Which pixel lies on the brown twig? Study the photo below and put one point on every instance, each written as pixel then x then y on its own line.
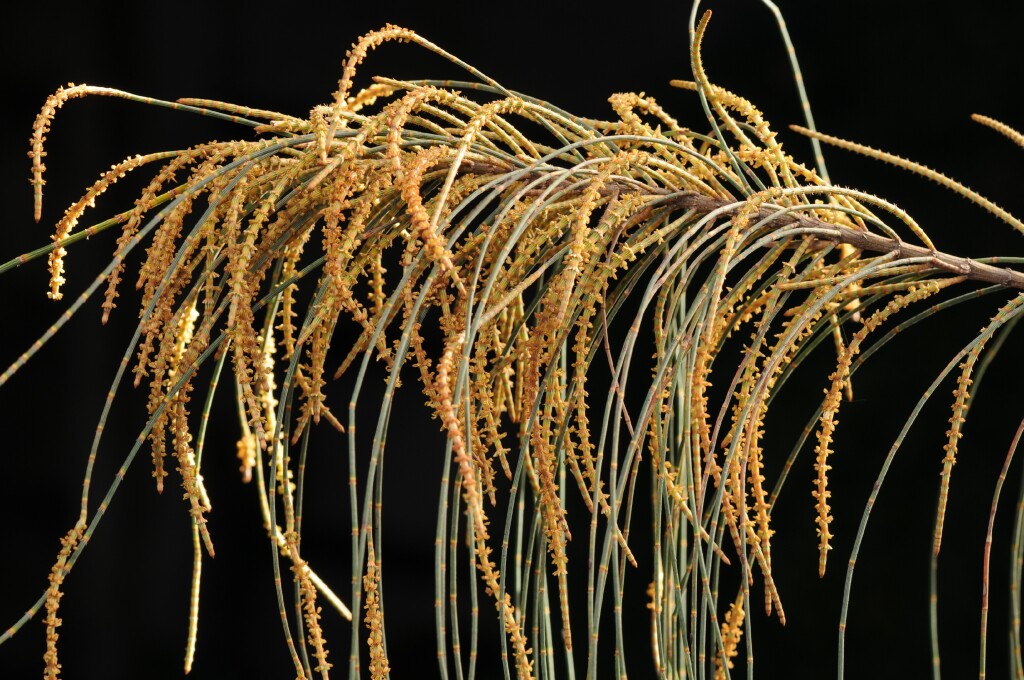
pixel 824 231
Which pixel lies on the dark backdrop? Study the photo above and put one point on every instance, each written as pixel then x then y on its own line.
pixel 902 76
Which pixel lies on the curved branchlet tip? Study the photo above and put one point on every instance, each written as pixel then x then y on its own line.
pixel 357 53
pixel 779 168
pixel 918 169
pixel 369 95
pixel 39 130
pixel 88 200
pixel 353 59
pixel 710 98
pixel 798 77
pixel 41 127
pixel 696 40
pixel 1000 127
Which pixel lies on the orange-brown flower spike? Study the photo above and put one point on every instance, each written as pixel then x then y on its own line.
pixel 961 402
pixel 53 597
pixel 187 467
pixel 839 379
pixel 442 386
pixel 75 211
pixel 355 57
pixel 918 169
pixel 1000 127
pixel 379 665
pixel 39 130
pixel 732 633
pixel 433 244
pixel 409 223
pixel 471 493
pixel 961 396
pixel 309 605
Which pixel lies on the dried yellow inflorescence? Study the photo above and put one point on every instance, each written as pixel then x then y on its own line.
pixel 412 223
pixel 53 597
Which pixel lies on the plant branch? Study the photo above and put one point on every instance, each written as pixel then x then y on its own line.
pixel 865 240
pixel 824 231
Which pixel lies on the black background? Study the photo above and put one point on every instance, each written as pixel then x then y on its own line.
pixel 902 76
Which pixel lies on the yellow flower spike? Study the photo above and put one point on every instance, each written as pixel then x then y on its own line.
pixel 409 223
pixel 53 597
pixel 917 169
pixel 1000 127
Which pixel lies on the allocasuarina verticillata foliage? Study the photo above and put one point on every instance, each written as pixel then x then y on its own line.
pixel 414 224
